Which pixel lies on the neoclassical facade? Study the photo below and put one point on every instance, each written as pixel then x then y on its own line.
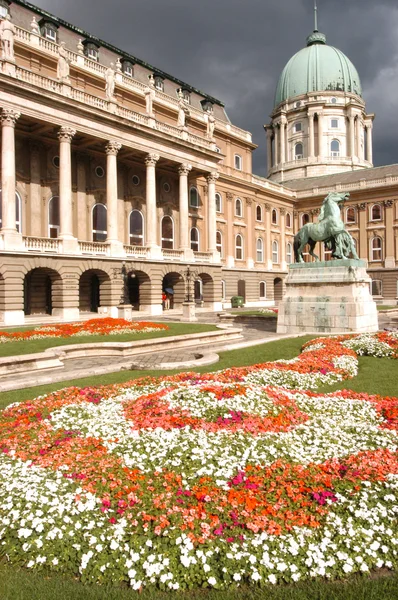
pixel 109 165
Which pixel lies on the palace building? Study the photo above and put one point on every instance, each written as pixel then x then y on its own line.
pixel 110 165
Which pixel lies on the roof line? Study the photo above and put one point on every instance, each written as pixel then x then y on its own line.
pixel 113 48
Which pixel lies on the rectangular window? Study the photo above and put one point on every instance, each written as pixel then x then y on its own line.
pixel 376 287
pixel 238 162
pixel 92 53
pixel 49 33
pixel 334 123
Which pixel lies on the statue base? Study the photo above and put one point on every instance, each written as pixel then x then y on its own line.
pixel 328 297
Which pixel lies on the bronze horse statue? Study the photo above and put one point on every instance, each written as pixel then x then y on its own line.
pixel 329 229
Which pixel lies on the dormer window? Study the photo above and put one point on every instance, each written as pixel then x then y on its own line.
pixel 91 50
pixel 49 30
pixel 3 9
pixel 159 83
pixel 128 68
pixel 186 94
pixel 207 106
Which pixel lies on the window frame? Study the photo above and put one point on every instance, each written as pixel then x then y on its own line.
pixel 6 9
pixel 298 155
pixel 219 204
pixel 298 127
pixel 302 219
pixel 288 224
pixel 191 189
pixel 219 245
pixel 164 239
pixel 127 64
pixel 374 250
pixel 376 281
pixel 372 219
pixel 239 249
pixel 53 226
pixel 49 31
pixel 259 251
pixel 337 126
pixel 259 211
pixel 101 232
pixel 159 83
pixel 238 162
pixel 262 296
pixel 276 220
pixel 240 213
pixel 275 252
pixel 347 210
pixel 194 242
pixel 143 229
pixel 289 253
pixel 335 153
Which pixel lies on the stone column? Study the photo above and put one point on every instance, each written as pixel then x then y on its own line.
pixel 267 241
pixel 269 149
pixel 389 261
pixel 183 171
pixel 369 143
pixel 34 218
pixel 250 235
pixel 65 136
pixel 12 239
pixel 276 145
pixel 211 215
pixel 358 138
pixel 116 246
pixel 352 136
pixel 363 250
pixel 230 247
pixel 151 221
pixel 321 152
pixel 282 142
pixel 311 145
pixel 283 238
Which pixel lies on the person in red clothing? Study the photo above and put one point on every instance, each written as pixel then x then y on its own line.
pixel 164 300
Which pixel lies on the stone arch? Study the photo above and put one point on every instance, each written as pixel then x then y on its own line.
pixel 208 291
pixel 94 290
pixel 140 289
pixel 242 289
pixel 109 281
pixel 42 291
pixel 278 289
pixel 174 280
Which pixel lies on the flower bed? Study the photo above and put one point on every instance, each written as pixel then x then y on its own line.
pixel 207 480
pixel 105 326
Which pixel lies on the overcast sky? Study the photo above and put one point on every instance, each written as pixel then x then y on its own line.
pixel 235 50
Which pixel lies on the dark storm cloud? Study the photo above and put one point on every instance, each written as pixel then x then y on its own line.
pixel 235 49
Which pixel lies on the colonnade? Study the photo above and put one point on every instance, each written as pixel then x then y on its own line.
pixel 65 135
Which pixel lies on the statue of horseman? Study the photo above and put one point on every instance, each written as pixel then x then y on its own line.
pixel 329 229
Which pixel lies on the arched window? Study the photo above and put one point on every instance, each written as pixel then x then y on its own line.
pixel 263 290
pixel 334 148
pixel 238 207
pixel 99 223
pixel 193 197
pixel 376 287
pixel 223 290
pixel 376 248
pixel 53 217
pixel 195 239
pixel 167 233
pixel 288 220
pixel 275 252
pixel 298 151
pixel 259 213
pixel 238 162
pixel 239 247
pixel 218 203
pixel 274 217
pixel 136 228
pixel 18 211
pixel 259 250
pixel 350 215
pixel 375 212
pixel 289 253
pixel 219 247
pixel 305 218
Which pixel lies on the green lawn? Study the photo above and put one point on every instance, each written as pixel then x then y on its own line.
pixel 252 313
pixel 32 346
pixel 385 307
pixel 375 376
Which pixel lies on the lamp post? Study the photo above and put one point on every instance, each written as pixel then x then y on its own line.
pixel 125 309
pixel 188 306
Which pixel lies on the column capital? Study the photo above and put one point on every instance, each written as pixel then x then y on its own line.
pixel 9 117
pixel 65 134
pixel 184 169
pixel 282 211
pixel 112 148
pixel 267 207
pixel 212 177
pixel 151 160
pixel 229 196
pixel 249 200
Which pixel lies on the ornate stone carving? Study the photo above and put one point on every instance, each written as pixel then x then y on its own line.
pixel 65 134
pixel 361 206
pixel 388 203
pixel 212 178
pixel 7 34
pixel 9 117
pixel 267 207
pixel 151 160
pixel 249 201
pixel 112 148
pixel 229 196
pixel 184 169
pixel 282 212
pixel 63 63
pixel 34 26
pixel 211 125
pixel 150 95
pixel 183 111
pixel 110 82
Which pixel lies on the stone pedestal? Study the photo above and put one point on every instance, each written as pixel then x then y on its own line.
pixel 188 312
pixel 125 311
pixel 327 297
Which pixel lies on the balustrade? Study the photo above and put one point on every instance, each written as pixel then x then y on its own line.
pixel 38 244
pixel 94 248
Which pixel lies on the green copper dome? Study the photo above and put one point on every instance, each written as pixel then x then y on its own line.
pixel 317 68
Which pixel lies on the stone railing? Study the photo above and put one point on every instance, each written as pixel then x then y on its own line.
pixel 338 187
pixel 38 80
pixel 136 251
pixel 38 244
pixel 81 61
pixel 173 254
pixel 203 257
pixel 272 187
pixel 94 248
